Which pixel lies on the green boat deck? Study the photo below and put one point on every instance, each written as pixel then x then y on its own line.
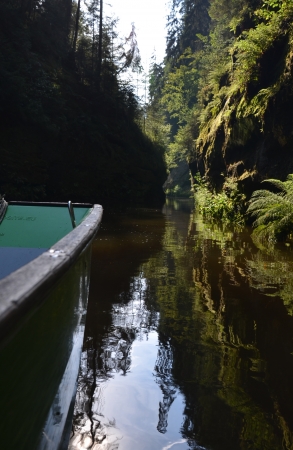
pixel 28 231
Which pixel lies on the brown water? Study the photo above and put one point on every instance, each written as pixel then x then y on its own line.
pixel 189 338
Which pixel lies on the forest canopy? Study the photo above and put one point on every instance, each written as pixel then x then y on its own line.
pixel 224 91
pixel 70 128
pixel 221 101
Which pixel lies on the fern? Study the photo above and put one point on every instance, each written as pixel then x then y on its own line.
pixel 273 212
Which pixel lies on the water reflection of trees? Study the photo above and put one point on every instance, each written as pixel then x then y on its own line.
pixel 272 273
pixel 225 340
pixel 130 320
pixel 224 304
pixel 164 378
pixel 116 316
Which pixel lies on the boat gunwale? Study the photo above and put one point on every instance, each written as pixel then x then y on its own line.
pixel 25 288
pixel 63 204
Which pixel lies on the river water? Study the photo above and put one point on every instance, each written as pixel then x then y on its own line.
pixel 189 337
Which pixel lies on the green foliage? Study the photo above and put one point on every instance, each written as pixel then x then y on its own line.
pixel 225 206
pixel 178 191
pixel 255 42
pixel 269 7
pixel 65 132
pixel 247 91
pixel 176 88
pixel 219 85
pixel 155 126
pixel 182 147
pixel 273 211
pixel 187 21
pixel 180 87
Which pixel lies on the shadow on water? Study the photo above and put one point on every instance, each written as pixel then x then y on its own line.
pixel 189 338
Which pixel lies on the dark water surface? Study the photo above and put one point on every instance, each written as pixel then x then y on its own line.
pixel 189 338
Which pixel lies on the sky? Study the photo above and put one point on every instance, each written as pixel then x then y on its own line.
pixel 149 17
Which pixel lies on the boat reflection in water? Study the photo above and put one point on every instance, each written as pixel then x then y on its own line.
pixel 43 303
pixel 189 338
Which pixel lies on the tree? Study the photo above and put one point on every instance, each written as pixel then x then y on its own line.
pixel 76 26
pixel 72 121
pixel 131 57
pixel 100 48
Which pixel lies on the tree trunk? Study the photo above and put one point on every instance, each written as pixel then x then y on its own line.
pixel 100 48
pixel 76 27
pixel 68 6
pixel 93 54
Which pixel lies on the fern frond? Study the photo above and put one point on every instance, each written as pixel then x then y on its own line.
pixel 286 221
pixel 290 177
pixel 261 200
pixel 272 215
pixel 273 212
pixel 277 183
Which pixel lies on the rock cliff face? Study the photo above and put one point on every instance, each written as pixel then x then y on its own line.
pixel 244 143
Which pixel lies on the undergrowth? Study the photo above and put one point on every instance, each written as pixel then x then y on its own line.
pixel 178 191
pixel 227 205
pixel 273 211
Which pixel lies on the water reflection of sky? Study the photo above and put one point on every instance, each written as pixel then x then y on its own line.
pixel 135 404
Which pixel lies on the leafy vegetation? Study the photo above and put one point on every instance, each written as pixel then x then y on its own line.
pixel 227 206
pixel 69 126
pixel 178 191
pixel 273 211
pixel 226 90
